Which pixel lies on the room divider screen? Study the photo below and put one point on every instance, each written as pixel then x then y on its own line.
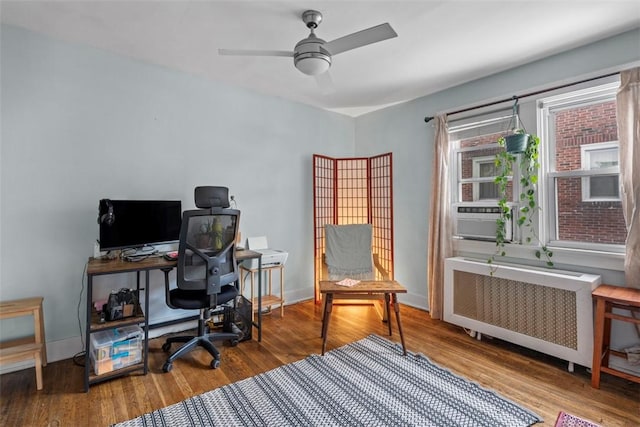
pixel 353 191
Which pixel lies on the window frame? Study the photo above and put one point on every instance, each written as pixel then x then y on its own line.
pixel 488 120
pixel 475 173
pixel 585 160
pixel 547 194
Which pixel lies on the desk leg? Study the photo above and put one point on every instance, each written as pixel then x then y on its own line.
pixel 387 311
pixel 252 287
pixel 87 361
pixel 396 308
pixel 146 321
pixel 260 299
pixel 328 305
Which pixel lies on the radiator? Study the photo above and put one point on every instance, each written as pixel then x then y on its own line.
pixel 547 310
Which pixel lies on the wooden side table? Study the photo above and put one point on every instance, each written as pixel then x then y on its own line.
pixel 269 299
pixel 608 297
pixel 366 289
pixel 32 347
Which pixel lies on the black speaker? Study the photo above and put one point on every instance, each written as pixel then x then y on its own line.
pixel 107 218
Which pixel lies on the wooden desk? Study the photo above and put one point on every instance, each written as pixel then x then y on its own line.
pixel 366 289
pixel 32 347
pixel 97 267
pixel 608 297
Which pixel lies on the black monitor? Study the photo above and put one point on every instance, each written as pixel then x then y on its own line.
pixel 138 223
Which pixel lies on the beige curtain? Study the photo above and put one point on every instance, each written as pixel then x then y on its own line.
pixel 628 112
pixel 439 243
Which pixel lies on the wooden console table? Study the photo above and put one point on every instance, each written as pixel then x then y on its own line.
pixel 28 348
pixel 608 297
pixel 366 289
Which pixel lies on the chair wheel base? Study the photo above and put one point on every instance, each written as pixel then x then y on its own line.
pixel 166 347
pixel 167 366
pixel 215 364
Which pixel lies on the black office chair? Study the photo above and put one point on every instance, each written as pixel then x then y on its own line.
pixel 207 270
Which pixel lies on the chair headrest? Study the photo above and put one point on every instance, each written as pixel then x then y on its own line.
pixel 211 197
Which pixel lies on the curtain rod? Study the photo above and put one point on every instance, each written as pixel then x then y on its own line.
pixel 516 97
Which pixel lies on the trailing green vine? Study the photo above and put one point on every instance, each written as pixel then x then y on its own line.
pixel 528 163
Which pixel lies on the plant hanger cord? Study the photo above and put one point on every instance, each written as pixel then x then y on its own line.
pixel 514 122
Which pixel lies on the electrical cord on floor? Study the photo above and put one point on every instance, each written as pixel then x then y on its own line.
pixel 78 358
pixel 84 271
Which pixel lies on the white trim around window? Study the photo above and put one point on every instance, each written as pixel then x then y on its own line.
pixel 586 154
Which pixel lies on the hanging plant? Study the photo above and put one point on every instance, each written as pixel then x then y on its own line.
pixel 526 158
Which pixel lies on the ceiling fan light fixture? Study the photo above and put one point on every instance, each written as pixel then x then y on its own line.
pixel 312 55
pixel 312 63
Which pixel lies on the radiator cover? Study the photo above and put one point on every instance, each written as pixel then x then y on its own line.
pixel 547 310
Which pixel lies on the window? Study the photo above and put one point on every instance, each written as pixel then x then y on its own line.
pixel 474 148
pixel 484 167
pixel 579 184
pixel 581 170
pixel 598 157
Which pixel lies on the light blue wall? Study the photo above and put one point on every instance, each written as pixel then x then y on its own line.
pixel 80 124
pixel 401 129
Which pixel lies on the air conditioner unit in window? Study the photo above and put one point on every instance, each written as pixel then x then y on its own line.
pixel 477 221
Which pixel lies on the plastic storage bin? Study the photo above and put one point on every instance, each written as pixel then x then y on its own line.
pixel 116 348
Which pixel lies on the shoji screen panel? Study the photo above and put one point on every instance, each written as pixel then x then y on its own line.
pixel 381 208
pixel 352 188
pixel 324 209
pixel 353 191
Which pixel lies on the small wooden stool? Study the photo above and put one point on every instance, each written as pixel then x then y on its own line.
pixel 32 347
pixel 608 297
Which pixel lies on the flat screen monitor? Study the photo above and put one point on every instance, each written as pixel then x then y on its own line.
pixel 138 223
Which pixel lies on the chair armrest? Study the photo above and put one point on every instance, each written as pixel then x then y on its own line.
pixel 383 272
pixel 325 270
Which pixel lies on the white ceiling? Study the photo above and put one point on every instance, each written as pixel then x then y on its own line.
pixel 440 43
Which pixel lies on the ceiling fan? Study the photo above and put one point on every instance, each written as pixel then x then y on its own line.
pixel 312 55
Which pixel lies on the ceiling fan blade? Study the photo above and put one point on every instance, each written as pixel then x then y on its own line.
pixel 361 38
pixel 325 83
pixel 247 52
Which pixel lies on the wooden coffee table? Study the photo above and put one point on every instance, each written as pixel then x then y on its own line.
pixel 366 289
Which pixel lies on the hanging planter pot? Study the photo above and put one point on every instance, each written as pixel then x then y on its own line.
pixel 516 143
pixel 517 137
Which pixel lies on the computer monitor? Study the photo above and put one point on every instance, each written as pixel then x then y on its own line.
pixel 127 224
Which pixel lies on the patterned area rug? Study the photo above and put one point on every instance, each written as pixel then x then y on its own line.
pixel 367 382
pixel 568 420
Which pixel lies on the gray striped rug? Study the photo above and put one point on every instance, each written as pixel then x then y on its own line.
pixel 366 383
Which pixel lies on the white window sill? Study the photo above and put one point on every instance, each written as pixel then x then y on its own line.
pixel 564 256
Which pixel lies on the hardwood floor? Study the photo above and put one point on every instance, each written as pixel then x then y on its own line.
pixel 538 382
